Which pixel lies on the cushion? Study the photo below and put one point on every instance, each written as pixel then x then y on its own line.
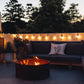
pixel 40 47
pixel 57 48
pixel 53 49
pixel 60 48
pixel 74 49
pixel 60 58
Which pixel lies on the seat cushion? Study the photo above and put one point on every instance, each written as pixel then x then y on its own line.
pixel 40 47
pixel 74 49
pixel 54 58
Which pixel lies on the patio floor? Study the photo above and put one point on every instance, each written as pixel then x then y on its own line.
pixel 57 76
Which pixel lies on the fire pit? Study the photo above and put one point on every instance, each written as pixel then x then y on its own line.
pixel 32 69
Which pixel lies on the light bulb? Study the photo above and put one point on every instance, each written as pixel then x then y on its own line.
pixel 69 37
pixel 39 37
pixel 33 37
pixel 26 37
pixel 20 37
pixel 62 37
pixel 78 36
pixel 54 38
pixel 46 37
pixel 14 35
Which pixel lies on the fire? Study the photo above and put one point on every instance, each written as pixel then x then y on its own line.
pixel 24 62
pixel 36 63
pixel 36 57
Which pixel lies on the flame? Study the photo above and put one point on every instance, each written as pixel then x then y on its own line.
pixel 21 62
pixel 25 62
pixel 36 57
pixel 36 63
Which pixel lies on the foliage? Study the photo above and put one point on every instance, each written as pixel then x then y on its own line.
pixel 19 43
pixel 49 16
pixel 73 13
pixel 9 48
pixel 78 26
pixel 25 41
pixel 13 11
pixel 9 27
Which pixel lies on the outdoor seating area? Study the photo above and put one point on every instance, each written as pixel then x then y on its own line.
pixel 41 42
pixel 42 61
pixel 71 55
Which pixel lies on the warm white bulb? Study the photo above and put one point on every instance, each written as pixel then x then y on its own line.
pixel 39 37
pixel 0 36
pixel 14 35
pixel 46 37
pixel 26 37
pixel 62 37
pixel 20 37
pixel 54 38
pixel 78 36
pixel 32 37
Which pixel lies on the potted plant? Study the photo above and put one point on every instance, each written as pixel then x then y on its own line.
pixel 19 45
pixel 9 53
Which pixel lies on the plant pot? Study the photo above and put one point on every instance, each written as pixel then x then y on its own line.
pixel 9 57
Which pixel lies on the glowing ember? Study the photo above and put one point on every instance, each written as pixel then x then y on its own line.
pixel 36 63
pixel 32 61
pixel 36 57
pixel 25 62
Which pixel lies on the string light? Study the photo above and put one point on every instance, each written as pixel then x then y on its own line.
pixel 39 37
pixel 69 37
pixel 62 37
pixel 33 37
pixel 26 37
pixel 54 38
pixel 20 37
pixel 78 36
pixel 1 36
pixel 46 37
pixel 14 35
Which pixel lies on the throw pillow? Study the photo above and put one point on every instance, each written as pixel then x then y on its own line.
pixel 60 48
pixel 57 49
pixel 53 49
